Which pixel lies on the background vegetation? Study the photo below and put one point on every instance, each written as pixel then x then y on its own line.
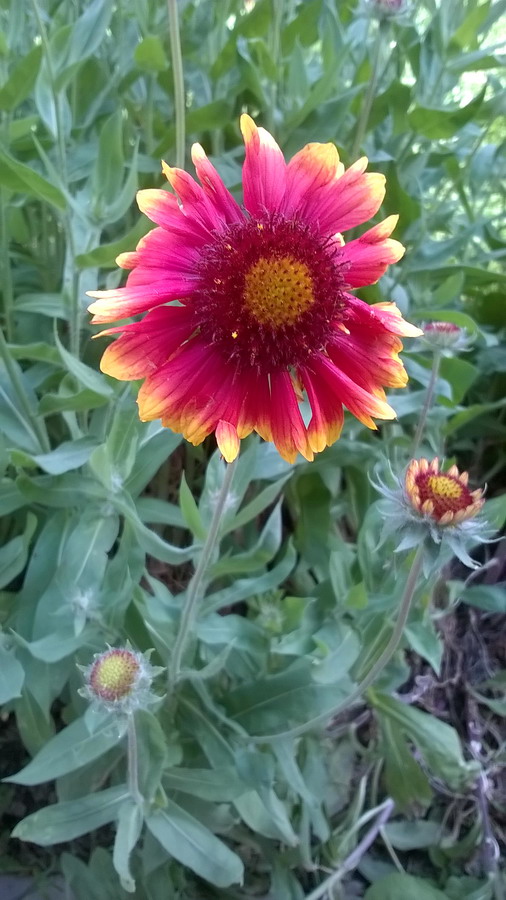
pixel 99 525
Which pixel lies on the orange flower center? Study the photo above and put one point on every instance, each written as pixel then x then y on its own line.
pixel 114 674
pixel 446 492
pixel 269 292
pixel 444 487
pixel 278 292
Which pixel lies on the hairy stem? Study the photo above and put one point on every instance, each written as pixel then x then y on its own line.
pixel 370 94
pixel 71 275
pixel 429 396
pixel 194 588
pixel 376 669
pixel 177 72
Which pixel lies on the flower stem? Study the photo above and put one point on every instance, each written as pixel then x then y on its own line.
pixel 177 72
pixel 37 427
pixel 379 665
pixel 133 761
pixel 422 421
pixel 275 48
pixel 71 275
pixel 369 97
pixel 8 293
pixel 352 861
pixel 193 593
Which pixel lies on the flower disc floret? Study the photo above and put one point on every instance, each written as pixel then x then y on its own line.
pixel 114 674
pixel 249 307
pixel 119 680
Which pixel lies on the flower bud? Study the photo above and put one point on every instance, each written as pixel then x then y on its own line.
pixel 444 336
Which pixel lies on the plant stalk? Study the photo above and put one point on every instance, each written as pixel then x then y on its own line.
pixel 429 396
pixel 194 588
pixel 133 761
pixel 70 268
pixel 179 93
pixel 369 97
pixel 376 669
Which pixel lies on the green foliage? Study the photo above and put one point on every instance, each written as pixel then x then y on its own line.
pixel 102 516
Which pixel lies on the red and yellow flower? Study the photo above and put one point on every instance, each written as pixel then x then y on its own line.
pixel 443 497
pixel 263 305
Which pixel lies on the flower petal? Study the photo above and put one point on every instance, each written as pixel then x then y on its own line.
pixel 147 345
pixel 161 250
pixel 370 255
pixel 346 201
pixel 328 417
pixel 314 167
pixel 362 404
pixel 227 440
pixel 380 316
pixel 123 302
pixel 213 186
pixel 163 209
pixel 370 360
pixel 288 429
pixel 264 170
pixel 195 201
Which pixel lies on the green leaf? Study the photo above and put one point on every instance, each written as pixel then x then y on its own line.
pixel 444 123
pixel 67 456
pixel 44 304
pixel 276 703
pixel 220 784
pixel 461 375
pixel 438 742
pixel 152 752
pixel 107 174
pixel 35 728
pixel 105 255
pixel 90 379
pixel 401 887
pixel 25 180
pixel 130 822
pixel 21 81
pixel 150 54
pixel 406 781
pixel 14 555
pixel 190 510
pixel 12 675
pixel 193 845
pixel 491 597
pixel 261 501
pixel 69 820
pixel 68 750
pixel 258 555
pixel 89 30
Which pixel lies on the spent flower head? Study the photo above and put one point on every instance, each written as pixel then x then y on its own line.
pixel 119 680
pixel 445 337
pixel 429 503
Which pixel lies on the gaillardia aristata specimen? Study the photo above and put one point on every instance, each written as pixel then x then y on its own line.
pixel 119 680
pixel 436 505
pixel 443 497
pixel 445 337
pixel 264 305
